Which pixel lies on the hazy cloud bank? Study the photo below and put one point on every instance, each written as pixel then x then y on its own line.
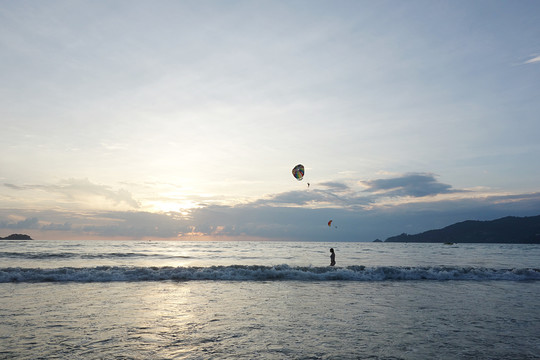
pixel 360 210
pixel 272 222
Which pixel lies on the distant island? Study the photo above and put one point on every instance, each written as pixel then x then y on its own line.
pixel 17 237
pixel 507 230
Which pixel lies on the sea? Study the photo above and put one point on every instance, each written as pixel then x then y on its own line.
pixel 268 300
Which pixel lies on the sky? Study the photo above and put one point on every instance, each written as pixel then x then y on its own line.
pixel 183 119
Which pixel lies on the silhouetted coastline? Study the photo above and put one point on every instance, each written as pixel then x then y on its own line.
pixel 17 237
pixel 507 230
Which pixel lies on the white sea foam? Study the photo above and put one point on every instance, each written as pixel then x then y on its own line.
pixel 264 273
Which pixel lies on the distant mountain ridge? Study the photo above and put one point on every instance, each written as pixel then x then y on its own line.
pixel 508 230
pixel 17 237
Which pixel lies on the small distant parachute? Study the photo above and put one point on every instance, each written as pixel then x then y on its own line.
pixel 330 223
pixel 298 172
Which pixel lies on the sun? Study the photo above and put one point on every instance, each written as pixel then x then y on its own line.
pixel 172 206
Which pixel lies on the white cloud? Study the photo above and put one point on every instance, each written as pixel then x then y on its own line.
pixel 533 60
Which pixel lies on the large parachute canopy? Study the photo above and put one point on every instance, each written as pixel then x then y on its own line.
pixel 298 172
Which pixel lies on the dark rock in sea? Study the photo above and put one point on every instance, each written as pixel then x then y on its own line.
pixel 508 230
pixel 377 240
pixel 17 237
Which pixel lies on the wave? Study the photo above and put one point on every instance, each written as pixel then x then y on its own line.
pixel 263 273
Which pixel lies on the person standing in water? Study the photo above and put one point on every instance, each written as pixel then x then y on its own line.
pixel 332 257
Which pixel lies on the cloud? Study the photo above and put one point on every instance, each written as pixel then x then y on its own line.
pixel 335 197
pixel 533 60
pixel 57 227
pixel 341 195
pixel 81 189
pixel 412 184
pixel 14 187
pixel 296 198
pixel 378 208
pixel 29 223
pixel 98 224
pixel 256 220
pixel 137 224
pixel 334 185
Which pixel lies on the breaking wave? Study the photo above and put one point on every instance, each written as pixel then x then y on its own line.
pixel 263 273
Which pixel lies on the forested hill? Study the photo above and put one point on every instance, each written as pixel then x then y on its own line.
pixel 512 230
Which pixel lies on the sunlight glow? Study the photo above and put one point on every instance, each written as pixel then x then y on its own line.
pixel 183 207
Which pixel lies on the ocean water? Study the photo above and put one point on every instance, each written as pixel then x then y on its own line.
pixel 268 300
